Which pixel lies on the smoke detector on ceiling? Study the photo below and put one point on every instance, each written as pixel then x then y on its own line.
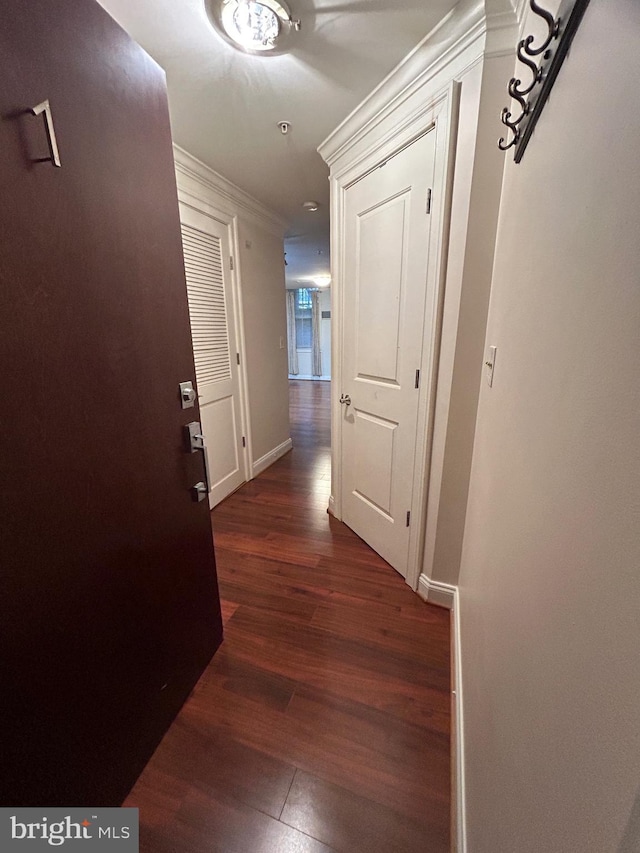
pixel 252 26
pixel 311 206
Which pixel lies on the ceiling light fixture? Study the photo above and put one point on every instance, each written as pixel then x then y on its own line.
pixel 311 206
pixel 255 27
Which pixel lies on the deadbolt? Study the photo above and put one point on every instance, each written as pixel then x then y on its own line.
pixel 187 395
pixel 199 492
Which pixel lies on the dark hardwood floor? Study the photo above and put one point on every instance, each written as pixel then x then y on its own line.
pixel 323 722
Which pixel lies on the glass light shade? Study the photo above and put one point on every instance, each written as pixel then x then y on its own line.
pixel 252 25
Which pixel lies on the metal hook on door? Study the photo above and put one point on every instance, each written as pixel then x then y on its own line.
pixel 346 399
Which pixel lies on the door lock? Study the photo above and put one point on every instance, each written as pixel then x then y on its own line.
pixel 199 492
pixel 346 399
pixel 194 441
pixel 187 395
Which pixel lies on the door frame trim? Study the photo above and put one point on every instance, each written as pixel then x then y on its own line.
pixel 439 115
pixel 231 224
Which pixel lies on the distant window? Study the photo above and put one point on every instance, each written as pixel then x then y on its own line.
pixel 304 331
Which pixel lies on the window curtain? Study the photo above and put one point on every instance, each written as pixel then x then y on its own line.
pixel 315 337
pixel 291 333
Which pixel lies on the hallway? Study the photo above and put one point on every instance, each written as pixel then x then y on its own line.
pixel 322 723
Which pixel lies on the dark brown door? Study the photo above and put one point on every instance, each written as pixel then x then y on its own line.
pixel 109 602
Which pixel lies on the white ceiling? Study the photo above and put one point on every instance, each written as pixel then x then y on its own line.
pixel 225 105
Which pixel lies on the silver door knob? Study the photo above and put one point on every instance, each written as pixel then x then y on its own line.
pixel 346 399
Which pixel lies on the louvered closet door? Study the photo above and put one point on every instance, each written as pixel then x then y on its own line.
pixel 207 265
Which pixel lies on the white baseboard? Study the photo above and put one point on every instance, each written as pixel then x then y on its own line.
pixel 458 766
pixel 448 596
pixel 436 592
pixel 314 378
pixel 332 506
pixel 269 458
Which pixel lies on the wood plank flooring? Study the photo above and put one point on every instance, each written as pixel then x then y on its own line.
pixel 323 722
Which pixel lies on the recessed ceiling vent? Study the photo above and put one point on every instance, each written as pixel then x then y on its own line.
pixel 252 26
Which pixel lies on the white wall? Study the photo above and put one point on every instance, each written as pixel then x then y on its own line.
pixel 259 267
pixel 325 332
pixel 263 299
pixel 550 576
pixel 474 216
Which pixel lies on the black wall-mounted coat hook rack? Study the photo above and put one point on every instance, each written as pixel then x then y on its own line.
pixel 553 49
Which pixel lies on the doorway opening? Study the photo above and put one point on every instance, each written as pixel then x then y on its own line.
pixel 309 333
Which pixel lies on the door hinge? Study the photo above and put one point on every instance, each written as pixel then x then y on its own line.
pixel 231 261
pixel 408 517
pixel 244 441
pixel 429 200
pixel 418 378
pixel 237 358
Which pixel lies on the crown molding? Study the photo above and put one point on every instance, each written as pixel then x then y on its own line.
pixel 521 6
pixel 455 32
pixel 235 200
pixel 502 33
pixel 467 24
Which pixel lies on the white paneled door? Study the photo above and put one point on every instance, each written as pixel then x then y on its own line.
pixel 207 262
pixel 387 225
